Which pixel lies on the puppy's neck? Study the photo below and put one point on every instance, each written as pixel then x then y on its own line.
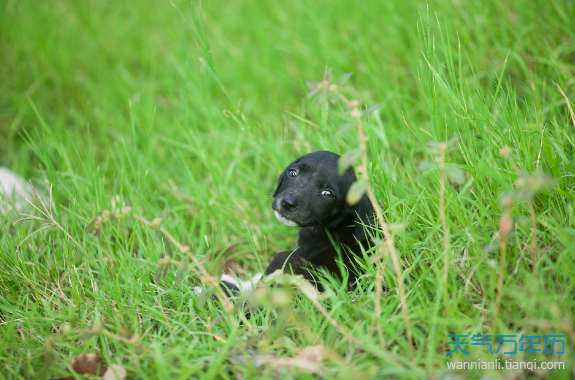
pixel 344 221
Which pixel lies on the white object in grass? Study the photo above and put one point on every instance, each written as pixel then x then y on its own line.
pixel 244 286
pixel 12 186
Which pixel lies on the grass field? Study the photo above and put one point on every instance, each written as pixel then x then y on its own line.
pixel 110 104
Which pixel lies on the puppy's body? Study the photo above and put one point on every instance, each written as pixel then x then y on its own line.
pixel 312 195
pixel 315 249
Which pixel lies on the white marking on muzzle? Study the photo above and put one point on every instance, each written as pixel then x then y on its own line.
pixel 286 221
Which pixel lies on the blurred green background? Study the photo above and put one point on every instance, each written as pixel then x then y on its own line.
pixel 102 77
pixel 109 101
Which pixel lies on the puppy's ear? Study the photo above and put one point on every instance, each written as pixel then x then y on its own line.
pixel 280 180
pixel 365 219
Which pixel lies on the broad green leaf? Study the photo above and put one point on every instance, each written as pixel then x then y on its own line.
pixel 308 289
pixel 313 93
pixel 541 181
pixel 454 173
pixel 288 279
pixel 312 85
pixel 356 191
pixel 345 127
pixel 322 96
pixel 272 276
pixel 345 78
pixel 426 165
pixel 433 147
pixel 281 278
pixel 348 159
pixel 371 109
pixel 282 297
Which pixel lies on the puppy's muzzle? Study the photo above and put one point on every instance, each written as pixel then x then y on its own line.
pixel 288 202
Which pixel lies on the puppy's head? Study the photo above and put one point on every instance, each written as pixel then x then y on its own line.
pixel 311 193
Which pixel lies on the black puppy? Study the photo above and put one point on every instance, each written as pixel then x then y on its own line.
pixel 312 195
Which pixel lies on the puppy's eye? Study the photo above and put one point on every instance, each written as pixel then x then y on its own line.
pixel 328 194
pixel 292 173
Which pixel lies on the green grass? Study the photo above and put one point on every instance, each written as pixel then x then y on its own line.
pixel 103 99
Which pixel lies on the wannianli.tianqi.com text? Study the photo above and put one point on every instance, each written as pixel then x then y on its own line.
pixel 506 364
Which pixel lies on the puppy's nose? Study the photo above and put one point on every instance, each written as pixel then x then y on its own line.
pixel 289 202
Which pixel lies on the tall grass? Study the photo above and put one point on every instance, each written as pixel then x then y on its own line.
pixel 109 103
